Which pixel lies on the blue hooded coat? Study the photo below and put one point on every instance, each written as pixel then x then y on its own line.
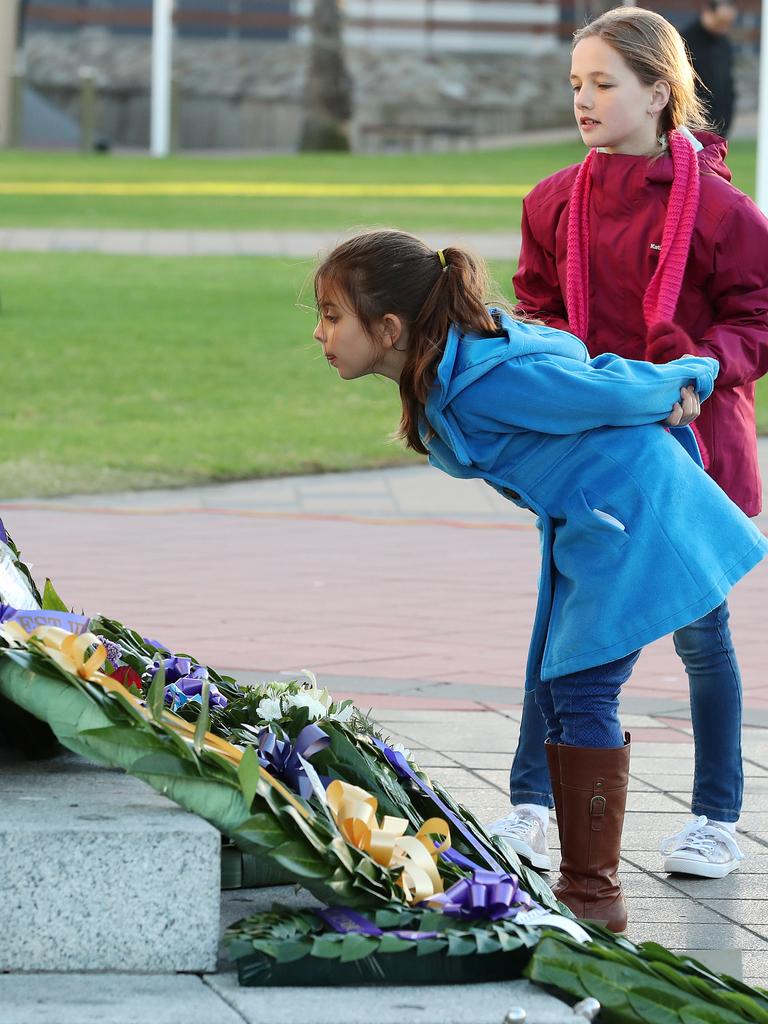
pixel 637 540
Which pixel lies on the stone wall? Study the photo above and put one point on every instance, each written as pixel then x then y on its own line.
pixel 238 95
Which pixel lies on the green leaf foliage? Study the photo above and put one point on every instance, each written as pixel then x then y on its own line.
pixel 248 772
pixel 295 856
pixel 51 600
pixel 156 694
pixel 204 715
pixel 356 947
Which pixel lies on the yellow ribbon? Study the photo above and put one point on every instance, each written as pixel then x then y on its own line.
pixel 354 811
pixel 69 650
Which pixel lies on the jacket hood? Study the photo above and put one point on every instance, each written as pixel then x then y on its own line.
pixel 711 159
pixel 467 357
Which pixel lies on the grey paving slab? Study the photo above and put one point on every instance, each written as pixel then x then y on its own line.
pixel 454 743
pixel 643 766
pixel 90 862
pixel 646 910
pixel 652 802
pixel 509 693
pixel 721 961
pixel 637 786
pixel 636 841
pixel 736 886
pixel 432 759
pixel 647 749
pixel 484 760
pixel 497 777
pixel 456 778
pixel 696 936
pixel 429 1004
pixel 755 967
pixel 647 886
pixel 111 999
pixel 627 866
pixel 754 821
pixel 486 804
pixel 752 912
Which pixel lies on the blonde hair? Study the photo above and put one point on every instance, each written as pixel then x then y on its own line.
pixel 654 50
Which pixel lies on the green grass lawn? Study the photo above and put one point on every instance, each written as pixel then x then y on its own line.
pixel 524 166
pixel 138 372
pixel 131 372
pixel 124 372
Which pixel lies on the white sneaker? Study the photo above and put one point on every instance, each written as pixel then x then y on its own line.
pixel 702 849
pixel 527 837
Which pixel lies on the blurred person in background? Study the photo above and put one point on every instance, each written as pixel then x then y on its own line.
pixel 711 53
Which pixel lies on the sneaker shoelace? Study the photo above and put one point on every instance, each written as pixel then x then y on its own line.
pixel 515 828
pixel 701 837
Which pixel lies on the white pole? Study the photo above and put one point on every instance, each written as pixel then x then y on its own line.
pixel 160 124
pixel 762 115
pixel 8 22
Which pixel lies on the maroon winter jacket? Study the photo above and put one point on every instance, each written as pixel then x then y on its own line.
pixel 723 303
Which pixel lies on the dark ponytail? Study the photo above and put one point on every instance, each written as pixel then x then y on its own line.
pixel 382 272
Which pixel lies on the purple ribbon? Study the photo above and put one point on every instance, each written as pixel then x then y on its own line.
pixel 184 681
pixel 344 920
pixel 30 618
pixel 177 668
pixel 404 770
pixel 486 894
pixel 286 759
pixel 155 643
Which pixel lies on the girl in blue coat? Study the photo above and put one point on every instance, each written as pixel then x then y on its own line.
pixel 637 540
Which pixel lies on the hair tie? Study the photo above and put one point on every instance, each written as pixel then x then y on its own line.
pixel 441 257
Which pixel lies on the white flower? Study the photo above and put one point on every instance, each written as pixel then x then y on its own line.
pixel 305 700
pixel 324 697
pixel 315 708
pixel 344 714
pixel 269 709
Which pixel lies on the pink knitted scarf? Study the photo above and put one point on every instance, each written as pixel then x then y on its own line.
pixel 663 291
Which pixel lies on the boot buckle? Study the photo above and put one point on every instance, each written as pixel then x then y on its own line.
pixel 597 806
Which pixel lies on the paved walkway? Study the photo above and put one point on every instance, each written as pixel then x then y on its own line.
pixel 297 244
pixel 415 594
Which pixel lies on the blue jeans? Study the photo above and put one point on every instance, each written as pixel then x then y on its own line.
pixel 581 709
pixel 706 649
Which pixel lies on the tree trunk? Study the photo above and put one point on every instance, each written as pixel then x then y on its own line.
pixel 328 90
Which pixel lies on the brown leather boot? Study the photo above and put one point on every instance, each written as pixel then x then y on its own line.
pixel 593 795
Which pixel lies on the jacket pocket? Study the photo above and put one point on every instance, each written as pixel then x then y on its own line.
pixel 591 512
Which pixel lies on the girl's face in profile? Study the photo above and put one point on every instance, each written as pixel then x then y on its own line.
pixel 346 345
pixel 611 104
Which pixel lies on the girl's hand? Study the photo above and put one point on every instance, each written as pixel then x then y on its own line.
pixel 686 410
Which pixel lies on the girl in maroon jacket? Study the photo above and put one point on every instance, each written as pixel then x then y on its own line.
pixel 646 249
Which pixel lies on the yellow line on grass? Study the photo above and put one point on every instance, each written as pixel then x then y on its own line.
pixel 266 189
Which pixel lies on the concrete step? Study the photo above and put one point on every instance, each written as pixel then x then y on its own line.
pixel 100 873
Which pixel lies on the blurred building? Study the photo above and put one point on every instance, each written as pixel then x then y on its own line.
pixel 427 73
